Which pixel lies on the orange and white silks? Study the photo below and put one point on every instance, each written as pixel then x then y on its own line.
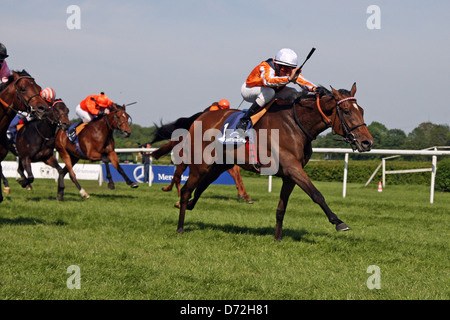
pixel 263 75
pixel 91 105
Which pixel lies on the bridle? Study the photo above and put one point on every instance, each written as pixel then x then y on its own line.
pixel 20 96
pixel 58 121
pixel 116 121
pixel 349 137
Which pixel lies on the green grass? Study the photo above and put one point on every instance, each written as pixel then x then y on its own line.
pixel 126 246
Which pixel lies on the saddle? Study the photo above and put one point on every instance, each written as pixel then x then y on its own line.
pixel 72 135
pixel 231 136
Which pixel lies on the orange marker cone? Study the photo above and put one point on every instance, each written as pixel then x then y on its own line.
pixel 380 187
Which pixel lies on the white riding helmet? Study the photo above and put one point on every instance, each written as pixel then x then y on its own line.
pixel 286 57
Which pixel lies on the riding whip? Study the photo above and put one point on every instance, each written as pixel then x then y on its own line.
pixel 307 58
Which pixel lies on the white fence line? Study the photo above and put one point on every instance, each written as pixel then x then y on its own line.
pixel 433 153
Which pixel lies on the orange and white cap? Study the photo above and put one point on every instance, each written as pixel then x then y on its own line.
pixel 48 94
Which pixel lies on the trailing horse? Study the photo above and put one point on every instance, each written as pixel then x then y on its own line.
pixel 288 131
pixel 35 141
pixel 20 94
pixel 96 143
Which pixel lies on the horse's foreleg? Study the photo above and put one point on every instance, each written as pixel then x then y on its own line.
pixel 302 180
pixel 111 185
pixel 115 162
pixel 286 190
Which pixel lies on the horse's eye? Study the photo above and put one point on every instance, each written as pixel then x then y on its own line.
pixel 346 111
pixel 23 89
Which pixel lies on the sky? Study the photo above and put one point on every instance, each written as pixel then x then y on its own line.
pixel 175 57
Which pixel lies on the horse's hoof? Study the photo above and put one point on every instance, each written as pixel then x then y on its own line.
pixel 342 227
pixel 23 182
pixel 190 205
pixel 134 185
pixel 180 230
pixel 84 194
pixel 177 205
pixel 7 190
pixel 59 198
pixel 29 187
pixel 250 201
pixel 165 189
pixel 111 186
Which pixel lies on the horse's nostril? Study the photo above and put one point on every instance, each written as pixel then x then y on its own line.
pixel 367 144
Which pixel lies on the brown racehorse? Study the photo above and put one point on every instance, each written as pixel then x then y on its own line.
pixel 296 125
pixel 97 144
pixel 235 173
pixel 20 94
pixel 35 141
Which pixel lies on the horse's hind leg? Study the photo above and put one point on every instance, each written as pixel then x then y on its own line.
pixel 235 173
pixel 209 177
pixel 25 165
pixel 69 168
pixel 176 180
pixel 286 190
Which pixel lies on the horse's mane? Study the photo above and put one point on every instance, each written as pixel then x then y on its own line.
pixel 164 131
pixel 322 92
pixel 22 73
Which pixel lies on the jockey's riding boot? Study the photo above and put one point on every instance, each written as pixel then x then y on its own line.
pixel 246 118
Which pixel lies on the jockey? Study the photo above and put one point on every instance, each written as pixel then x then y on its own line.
pixel 4 70
pixel 268 81
pixel 222 104
pixel 93 106
pixel 22 117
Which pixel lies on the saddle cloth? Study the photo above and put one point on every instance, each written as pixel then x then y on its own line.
pixel 229 133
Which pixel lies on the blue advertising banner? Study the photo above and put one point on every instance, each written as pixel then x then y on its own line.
pixel 158 174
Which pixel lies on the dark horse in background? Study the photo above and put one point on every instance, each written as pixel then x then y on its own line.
pixel 21 93
pixel 296 126
pixel 96 143
pixel 35 141
pixel 164 132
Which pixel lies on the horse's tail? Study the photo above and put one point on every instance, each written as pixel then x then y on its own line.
pixel 164 149
pixel 164 132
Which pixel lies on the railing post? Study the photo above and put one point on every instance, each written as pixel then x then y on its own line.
pixel 344 188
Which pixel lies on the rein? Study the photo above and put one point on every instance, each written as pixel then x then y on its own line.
pixel 349 137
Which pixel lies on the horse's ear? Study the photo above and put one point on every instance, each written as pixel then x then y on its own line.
pixel 335 92
pixel 123 106
pixel 353 90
